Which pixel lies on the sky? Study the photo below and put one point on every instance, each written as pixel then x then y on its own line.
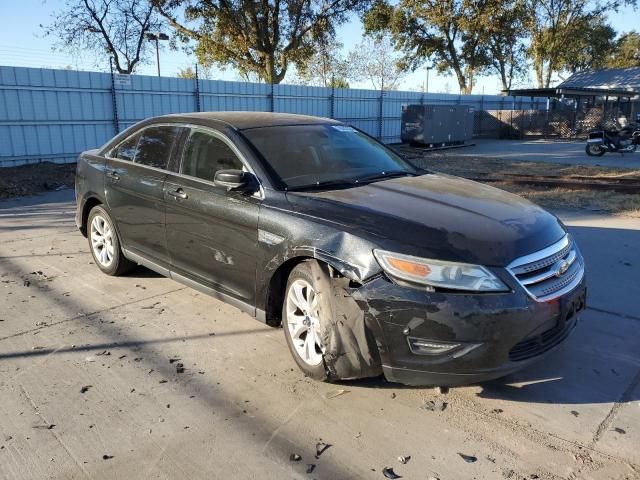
pixel 22 43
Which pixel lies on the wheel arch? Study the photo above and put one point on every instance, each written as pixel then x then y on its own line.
pixel 277 287
pixel 89 204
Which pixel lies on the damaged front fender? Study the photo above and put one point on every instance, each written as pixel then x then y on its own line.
pixel 350 349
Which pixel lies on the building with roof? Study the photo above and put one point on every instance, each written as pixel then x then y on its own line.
pixel 593 98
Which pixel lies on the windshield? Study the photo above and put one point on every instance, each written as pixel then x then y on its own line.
pixel 310 156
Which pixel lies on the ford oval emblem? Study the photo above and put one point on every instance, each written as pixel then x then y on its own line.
pixel 563 266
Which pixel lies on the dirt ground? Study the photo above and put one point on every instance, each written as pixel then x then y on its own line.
pixel 450 162
pixel 37 178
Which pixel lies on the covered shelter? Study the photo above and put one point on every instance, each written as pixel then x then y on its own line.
pixel 590 99
pixel 593 97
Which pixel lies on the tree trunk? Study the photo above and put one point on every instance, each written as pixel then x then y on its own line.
pixel 462 82
pixel 547 81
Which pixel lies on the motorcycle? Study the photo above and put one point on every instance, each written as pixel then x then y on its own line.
pixel 625 140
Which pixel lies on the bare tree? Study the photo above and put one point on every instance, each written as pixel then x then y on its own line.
pixel 107 28
pixel 376 60
pixel 326 67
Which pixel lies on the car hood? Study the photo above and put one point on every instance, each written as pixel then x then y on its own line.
pixel 437 216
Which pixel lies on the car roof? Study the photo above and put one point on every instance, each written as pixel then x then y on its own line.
pixel 246 120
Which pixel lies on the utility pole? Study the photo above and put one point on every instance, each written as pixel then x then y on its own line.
pixel 427 85
pixel 152 37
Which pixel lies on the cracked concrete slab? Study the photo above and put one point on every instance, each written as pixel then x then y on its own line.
pixel 90 389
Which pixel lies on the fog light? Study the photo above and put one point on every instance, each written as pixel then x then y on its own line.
pixel 422 346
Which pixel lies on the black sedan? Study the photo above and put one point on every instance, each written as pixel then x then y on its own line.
pixel 369 264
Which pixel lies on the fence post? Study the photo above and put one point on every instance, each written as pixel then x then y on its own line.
pixel 511 135
pixel 481 115
pixel 380 117
pixel 271 99
pixel 332 99
pixel 114 100
pixel 196 91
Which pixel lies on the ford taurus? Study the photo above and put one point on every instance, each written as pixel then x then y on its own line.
pixel 370 265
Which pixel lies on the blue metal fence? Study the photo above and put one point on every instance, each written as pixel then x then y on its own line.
pixel 53 115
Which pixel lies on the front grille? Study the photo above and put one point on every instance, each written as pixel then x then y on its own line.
pixel 551 272
pixel 534 346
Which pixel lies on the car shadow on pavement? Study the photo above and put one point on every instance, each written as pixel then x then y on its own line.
pixel 101 347
pixel 258 430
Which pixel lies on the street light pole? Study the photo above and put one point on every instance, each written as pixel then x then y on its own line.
pixel 427 86
pixel 152 37
pixel 158 56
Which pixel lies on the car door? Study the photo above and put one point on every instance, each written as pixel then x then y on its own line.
pixel 212 232
pixel 135 176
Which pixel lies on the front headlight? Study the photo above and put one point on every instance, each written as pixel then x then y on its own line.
pixel 437 273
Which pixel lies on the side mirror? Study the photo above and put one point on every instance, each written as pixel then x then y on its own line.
pixel 234 179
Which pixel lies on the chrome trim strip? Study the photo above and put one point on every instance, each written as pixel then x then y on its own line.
pixel 549 273
pixel 212 131
pixel 165 272
pixel 541 254
pixel 563 290
pixel 245 307
pixel 150 264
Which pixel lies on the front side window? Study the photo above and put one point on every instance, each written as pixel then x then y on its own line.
pixel 127 149
pixel 154 147
pixel 304 156
pixel 205 154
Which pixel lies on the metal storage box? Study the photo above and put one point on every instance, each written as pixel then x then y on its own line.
pixel 436 124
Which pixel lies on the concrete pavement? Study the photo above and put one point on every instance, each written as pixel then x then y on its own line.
pixel 89 386
pixel 552 151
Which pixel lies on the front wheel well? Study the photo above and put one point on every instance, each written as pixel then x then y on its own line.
pixel 278 285
pixel 276 291
pixel 88 206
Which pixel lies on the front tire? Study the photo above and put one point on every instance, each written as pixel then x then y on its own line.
pixel 301 322
pixel 594 150
pixel 105 244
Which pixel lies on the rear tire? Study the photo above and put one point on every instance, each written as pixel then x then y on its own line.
pixel 105 244
pixel 594 150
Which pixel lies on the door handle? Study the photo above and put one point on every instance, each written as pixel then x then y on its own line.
pixel 179 193
pixel 113 175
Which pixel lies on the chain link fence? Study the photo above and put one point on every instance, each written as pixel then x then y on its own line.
pixel 566 124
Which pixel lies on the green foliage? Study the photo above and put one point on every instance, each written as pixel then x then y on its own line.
pixel 467 37
pixel 257 37
pixel 188 72
pixel 339 82
pixel 592 43
pixel 555 25
pixel 505 35
pixel 627 51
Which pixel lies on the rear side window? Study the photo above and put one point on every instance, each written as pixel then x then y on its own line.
pixel 127 149
pixel 154 147
pixel 205 154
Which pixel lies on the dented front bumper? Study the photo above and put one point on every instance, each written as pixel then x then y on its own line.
pixel 490 335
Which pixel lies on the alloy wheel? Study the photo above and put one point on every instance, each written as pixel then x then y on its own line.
pixel 303 322
pixel 102 240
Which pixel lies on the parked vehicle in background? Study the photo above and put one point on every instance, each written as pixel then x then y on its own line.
pixel 624 140
pixel 369 264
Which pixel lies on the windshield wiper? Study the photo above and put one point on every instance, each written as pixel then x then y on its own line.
pixel 327 185
pixel 385 176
